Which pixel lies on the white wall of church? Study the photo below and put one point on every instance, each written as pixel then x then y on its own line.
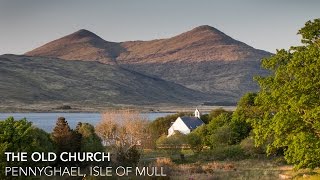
pixel 178 125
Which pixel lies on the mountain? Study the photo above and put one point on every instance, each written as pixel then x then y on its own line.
pixel 81 45
pixel 37 80
pixel 203 43
pixel 203 59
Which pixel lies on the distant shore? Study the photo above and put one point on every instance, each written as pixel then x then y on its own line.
pixel 162 108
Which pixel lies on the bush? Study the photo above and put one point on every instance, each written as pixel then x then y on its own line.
pixel 175 141
pixel 195 142
pixel 250 149
pixel 165 163
pixel 172 144
pixel 222 136
pixel 130 157
pixel 233 152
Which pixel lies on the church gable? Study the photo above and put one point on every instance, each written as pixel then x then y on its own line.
pixel 186 124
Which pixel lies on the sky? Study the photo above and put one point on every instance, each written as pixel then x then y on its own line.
pixel 267 25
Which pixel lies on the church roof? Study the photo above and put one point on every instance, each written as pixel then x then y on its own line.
pixel 192 122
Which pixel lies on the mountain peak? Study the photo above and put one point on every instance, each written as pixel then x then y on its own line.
pixel 206 29
pixel 83 33
pixel 79 45
pixel 203 27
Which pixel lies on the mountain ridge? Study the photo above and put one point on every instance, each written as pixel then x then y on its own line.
pixel 104 51
pixel 203 59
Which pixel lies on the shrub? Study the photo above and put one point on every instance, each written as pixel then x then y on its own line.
pixel 249 147
pixel 165 163
pixel 233 152
pixel 195 142
pixel 172 144
pixel 130 157
pixel 175 141
pixel 211 166
pixel 221 136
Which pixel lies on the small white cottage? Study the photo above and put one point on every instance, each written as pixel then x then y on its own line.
pixel 186 124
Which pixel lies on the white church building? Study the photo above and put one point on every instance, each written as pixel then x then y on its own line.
pixel 186 124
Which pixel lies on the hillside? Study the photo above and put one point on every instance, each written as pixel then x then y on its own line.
pixel 203 43
pixel 32 80
pixel 203 59
pixel 81 45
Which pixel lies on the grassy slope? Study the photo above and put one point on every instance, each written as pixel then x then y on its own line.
pixel 32 80
pixel 247 168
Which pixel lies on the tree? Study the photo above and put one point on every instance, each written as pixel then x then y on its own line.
pixel 123 128
pixel 90 141
pixel 205 118
pixel 21 136
pixel 65 138
pixel 289 101
pixel 195 142
pixel 221 136
pixel 123 132
pixel 217 112
pixel 219 121
pixel 129 157
pixel 202 132
pixel 239 124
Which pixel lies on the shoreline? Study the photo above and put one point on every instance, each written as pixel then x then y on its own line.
pixel 91 109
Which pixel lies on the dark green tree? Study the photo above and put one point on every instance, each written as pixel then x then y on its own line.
pixel 239 124
pixel 129 157
pixel 90 141
pixel 205 118
pixel 288 103
pixel 217 112
pixel 195 142
pixel 219 121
